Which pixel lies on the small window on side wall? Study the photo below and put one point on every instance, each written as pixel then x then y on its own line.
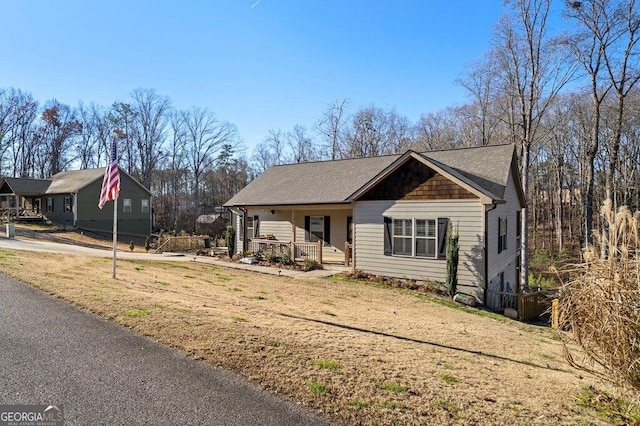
pixel 144 206
pixel 68 204
pixel 49 204
pixel 502 234
pixel 126 205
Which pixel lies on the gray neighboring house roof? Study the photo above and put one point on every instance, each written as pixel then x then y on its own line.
pixel 208 218
pixel 26 186
pixel 484 168
pixel 73 181
pixel 60 183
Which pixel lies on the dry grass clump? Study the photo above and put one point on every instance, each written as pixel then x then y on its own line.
pixel 601 305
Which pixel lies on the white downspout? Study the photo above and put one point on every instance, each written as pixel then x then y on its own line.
pixel 75 208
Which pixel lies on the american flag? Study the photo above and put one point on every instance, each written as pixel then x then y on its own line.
pixel 111 180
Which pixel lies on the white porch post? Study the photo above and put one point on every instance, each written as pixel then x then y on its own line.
pixel 293 234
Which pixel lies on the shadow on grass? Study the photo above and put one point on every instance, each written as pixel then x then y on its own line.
pixel 424 342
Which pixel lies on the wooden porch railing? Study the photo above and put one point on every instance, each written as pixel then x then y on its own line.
pixel 12 213
pixel 298 250
pixel 309 250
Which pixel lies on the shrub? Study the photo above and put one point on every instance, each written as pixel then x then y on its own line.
pixel 601 304
pixel 453 249
pixel 147 244
pixel 311 264
pixel 230 238
pixel 270 257
pixel 131 245
pixel 286 256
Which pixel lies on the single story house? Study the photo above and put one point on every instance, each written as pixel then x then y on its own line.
pixel 71 199
pixel 393 212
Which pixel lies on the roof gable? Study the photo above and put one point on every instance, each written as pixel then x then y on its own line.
pixel 414 180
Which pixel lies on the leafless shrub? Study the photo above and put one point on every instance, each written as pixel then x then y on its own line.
pixel 601 304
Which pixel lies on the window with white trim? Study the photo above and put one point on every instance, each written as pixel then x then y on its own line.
pixel 126 205
pixel 403 237
pixel 144 206
pixel 425 238
pixel 502 234
pixel 68 204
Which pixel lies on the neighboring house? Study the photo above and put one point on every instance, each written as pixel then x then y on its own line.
pixel 71 199
pixel 211 224
pixel 395 210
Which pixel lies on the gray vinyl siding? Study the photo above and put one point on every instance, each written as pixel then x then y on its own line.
pixel 58 215
pixel 504 261
pixel 90 217
pixel 369 241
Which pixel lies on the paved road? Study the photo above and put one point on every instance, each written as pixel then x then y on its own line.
pixel 54 353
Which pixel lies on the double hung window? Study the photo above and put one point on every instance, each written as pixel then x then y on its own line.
pixel 415 237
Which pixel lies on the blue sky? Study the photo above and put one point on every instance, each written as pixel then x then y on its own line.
pixel 260 65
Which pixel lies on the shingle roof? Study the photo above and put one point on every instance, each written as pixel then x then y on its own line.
pixel 321 182
pixel 484 168
pixel 73 181
pixel 27 186
pixel 60 183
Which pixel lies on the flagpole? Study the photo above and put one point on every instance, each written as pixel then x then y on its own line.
pixel 110 191
pixel 115 233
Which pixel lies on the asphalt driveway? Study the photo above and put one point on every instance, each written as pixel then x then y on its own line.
pixel 54 353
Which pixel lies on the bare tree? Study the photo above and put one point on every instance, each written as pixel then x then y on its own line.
pixel 374 131
pixel 301 145
pixel 17 132
pixel 270 152
pixel 481 82
pixel 151 119
pixel 621 63
pixel 93 141
pixel 435 131
pixel 331 126
pixel 533 74
pixel 59 127
pixel 593 37
pixel 122 117
pixel 204 138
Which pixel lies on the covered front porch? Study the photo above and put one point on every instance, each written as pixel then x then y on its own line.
pixel 15 208
pixel 319 232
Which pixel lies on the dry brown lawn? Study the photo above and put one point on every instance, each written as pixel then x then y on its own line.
pixel 357 352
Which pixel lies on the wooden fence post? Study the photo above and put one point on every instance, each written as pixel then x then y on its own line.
pixel 555 314
pixel 320 252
